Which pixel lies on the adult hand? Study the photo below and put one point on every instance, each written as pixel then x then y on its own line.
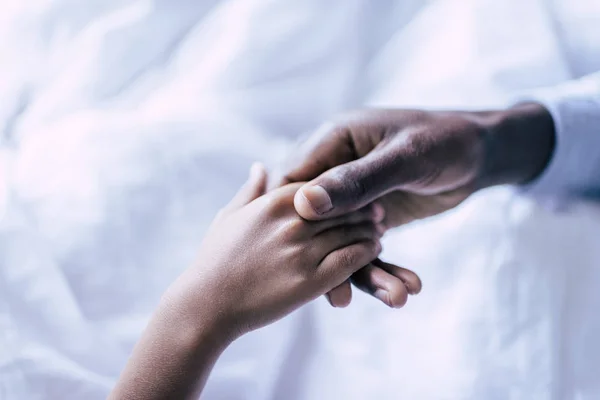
pixel 416 164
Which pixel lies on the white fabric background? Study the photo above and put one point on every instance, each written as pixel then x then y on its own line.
pixel 126 124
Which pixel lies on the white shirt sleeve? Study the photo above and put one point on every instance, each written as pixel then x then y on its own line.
pixel 574 169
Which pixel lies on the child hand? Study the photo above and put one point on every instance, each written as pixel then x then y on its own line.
pixel 260 260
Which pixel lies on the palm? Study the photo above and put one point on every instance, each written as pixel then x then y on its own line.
pixel 403 207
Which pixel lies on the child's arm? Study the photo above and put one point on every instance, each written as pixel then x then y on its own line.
pixel 259 262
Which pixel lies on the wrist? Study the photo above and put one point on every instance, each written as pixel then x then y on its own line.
pixel 518 144
pixel 175 354
pixel 197 317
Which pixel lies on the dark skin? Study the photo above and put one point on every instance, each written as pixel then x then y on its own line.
pixel 416 164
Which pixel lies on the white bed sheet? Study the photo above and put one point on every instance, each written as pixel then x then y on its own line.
pixel 126 124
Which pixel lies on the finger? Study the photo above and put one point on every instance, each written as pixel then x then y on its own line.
pixel 329 146
pixel 338 265
pixel 371 213
pixel 345 235
pixel 254 187
pixel 348 187
pixel 292 157
pixel 411 280
pixel 341 295
pixel 386 287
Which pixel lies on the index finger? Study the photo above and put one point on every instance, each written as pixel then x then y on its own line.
pixel 328 147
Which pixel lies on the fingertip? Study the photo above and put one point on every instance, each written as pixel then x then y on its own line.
pixel 343 305
pixel 328 297
pixel 341 302
pixel 393 297
pixel 302 206
pixel 383 296
pixel 340 296
pixel 415 288
pixel 311 202
pixel 257 171
pixel 255 168
pixel 398 297
pixel 373 247
pixel 277 183
pixel 387 288
pixel 380 228
pixel 393 294
pixel 411 281
pixel 378 212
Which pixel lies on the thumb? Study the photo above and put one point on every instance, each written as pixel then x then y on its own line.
pixel 349 186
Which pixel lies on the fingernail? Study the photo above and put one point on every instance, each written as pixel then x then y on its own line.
pixel 337 299
pixel 318 199
pixel 413 290
pixel 329 300
pixel 383 295
pixel 378 212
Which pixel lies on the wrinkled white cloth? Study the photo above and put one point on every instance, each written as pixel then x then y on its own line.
pixel 127 124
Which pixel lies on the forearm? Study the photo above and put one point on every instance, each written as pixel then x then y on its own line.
pixel 518 144
pixel 174 357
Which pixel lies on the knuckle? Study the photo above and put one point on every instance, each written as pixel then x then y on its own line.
pixel 295 258
pixel 373 248
pixel 305 271
pixel 317 251
pixel 270 201
pixel 345 172
pixel 332 127
pixel 368 228
pixel 295 227
pixel 351 117
pixel 339 130
pixel 414 144
pixel 277 202
pixel 361 231
pixel 348 257
pixel 292 254
pixel 359 187
pixel 348 175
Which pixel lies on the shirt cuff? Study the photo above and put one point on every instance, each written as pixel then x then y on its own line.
pixel 574 169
